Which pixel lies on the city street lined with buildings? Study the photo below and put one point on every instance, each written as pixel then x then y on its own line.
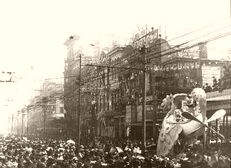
pixel 110 96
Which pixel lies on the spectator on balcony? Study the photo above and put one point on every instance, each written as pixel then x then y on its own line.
pixel 207 88
pixel 215 84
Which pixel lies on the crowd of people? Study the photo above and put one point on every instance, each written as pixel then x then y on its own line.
pixel 17 152
pixel 216 86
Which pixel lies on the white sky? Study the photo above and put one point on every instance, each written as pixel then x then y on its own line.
pixel 32 32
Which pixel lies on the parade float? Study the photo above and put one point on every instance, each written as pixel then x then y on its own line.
pixel 185 120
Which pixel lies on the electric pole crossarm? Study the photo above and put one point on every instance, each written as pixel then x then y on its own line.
pixel 106 66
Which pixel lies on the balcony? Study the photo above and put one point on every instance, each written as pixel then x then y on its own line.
pixel 218 100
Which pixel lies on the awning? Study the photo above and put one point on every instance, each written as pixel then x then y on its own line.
pixel 148 123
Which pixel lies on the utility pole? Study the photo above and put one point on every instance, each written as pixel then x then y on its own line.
pixel 27 124
pixel 22 123
pixel 79 103
pixel 12 123
pixel 97 103
pixel 144 100
pixel 44 105
pixel 44 121
pixel 143 53
pixel 18 126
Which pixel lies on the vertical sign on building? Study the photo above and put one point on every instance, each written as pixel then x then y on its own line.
pixel 139 113
pixel 128 113
pixel 208 72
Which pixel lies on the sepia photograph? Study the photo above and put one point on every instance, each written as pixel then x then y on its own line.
pixel 115 84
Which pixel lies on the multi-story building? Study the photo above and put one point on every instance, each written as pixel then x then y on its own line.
pixel 71 83
pixel 79 88
pixel 111 95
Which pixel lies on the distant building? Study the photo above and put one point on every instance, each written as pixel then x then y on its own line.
pixel 44 116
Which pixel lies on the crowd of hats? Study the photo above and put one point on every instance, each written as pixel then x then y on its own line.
pixel 37 153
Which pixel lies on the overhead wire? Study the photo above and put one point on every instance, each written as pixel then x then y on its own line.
pixel 193 45
pixel 201 28
pixel 189 33
pixel 171 48
pixel 208 40
pixel 177 37
pixel 92 79
pixel 74 76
